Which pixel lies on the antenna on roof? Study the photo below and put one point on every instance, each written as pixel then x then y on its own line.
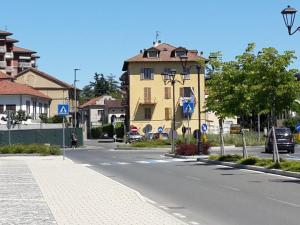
pixel 156 36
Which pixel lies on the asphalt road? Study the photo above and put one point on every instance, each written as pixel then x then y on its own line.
pixel 196 192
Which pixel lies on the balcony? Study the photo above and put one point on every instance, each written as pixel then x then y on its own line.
pixel 2 49
pixel 2 64
pixel 9 55
pixel 147 101
pixel 24 64
pixel 10 69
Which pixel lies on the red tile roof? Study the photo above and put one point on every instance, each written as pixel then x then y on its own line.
pixel 113 104
pixel 5 33
pixel 4 76
pixel 47 76
pixel 164 55
pixel 90 102
pixel 11 40
pixel 22 50
pixel 11 88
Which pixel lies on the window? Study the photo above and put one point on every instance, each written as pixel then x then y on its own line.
pixel 147 74
pixel 180 53
pixel 167 113
pixel 40 108
pixel 27 107
pixel 147 94
pixel 186 74
pixel 46 109
pixel 167 92
pixel 34 109
pixel 152 54
pixel 1 108
pixel 186 92
pixel 99 112
pixel 11 107
pixel 167 71
pixel 147 113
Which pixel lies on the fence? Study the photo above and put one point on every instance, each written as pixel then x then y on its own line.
pixel 40 136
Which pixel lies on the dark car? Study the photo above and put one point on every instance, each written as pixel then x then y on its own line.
pixel 284 138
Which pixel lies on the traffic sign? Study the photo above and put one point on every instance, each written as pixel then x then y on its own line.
pixel 188 107
pixel 297 128
pixel 204 127
pixel 160 129
pixel 63 109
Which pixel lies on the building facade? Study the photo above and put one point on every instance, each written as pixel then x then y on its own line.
pixel 149 99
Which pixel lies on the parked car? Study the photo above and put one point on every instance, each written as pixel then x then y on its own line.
pixel 155 136
pixel 133 136
pixel 284 138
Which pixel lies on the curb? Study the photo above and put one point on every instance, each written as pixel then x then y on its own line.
pixel 250 167
pixel 141 149
pixel 186 157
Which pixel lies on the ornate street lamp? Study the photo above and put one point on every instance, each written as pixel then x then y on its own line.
pixel 289 14
pixel 184 60
pixel 170 77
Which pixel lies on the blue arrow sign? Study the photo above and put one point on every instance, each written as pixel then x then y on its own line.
pixel 204 127
pixel 63 109
pixel 160 129
pixel 188 107
pixel 297 128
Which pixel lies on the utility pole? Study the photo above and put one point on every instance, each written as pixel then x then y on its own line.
pixel 75 98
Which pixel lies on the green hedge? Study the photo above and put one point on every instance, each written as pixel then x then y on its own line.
pixel 108 129
pixel 30 149
pixel 96 132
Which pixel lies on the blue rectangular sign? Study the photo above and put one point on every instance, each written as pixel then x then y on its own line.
pixel 63 109
pixel 188 107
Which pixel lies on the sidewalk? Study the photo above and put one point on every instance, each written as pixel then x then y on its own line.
pixel 71 194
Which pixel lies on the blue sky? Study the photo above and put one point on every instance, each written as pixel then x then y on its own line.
pixel 97 36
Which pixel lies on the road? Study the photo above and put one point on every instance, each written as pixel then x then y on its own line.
pixel 196 192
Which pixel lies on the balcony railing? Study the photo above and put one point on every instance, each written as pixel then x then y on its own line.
pixel 2 64
pixel 24 64
pixel 2 49
pixel 9 69
pixel 9 55
pixel 147 101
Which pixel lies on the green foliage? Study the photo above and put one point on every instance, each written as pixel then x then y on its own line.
pixel 249 161
pixel 151 143
pixel 108 129
pixel 119 129
pixel 43 117
pixel 291 123
pixel 30 149
pixel 19 116
pixel 230 158
pixel 55 119
pixel 96 132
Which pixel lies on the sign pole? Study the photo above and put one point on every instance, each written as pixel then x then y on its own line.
pixel 63 126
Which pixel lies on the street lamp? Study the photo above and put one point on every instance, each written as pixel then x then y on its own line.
pixel 289 14
pixel 75 98
pixel 184 60
pixel 169 77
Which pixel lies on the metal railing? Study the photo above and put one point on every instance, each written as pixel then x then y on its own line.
pixel 9 55
pixel 2 64
pixel 24 64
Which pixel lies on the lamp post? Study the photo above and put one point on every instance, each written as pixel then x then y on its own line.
pixel 169 77
pixel 288 15
pixel 184 60
pixel 75 98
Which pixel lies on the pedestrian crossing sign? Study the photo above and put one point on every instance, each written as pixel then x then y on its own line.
pixel 63 109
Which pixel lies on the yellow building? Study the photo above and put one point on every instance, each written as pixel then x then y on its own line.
pixel 149 99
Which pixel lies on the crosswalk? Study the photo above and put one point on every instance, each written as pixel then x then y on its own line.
pixel 146 162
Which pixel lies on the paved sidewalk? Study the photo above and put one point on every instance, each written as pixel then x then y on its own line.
pixel 76 194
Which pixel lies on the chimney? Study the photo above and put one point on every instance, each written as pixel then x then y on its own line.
pixel 141 51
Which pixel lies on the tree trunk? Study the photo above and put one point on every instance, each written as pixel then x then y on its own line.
pixel 221 137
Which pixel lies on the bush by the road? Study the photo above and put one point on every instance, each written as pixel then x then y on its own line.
pixel 293 166
pixel 151 143
pixel 186 149
pixel 30 149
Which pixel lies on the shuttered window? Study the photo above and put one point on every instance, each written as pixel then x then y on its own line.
pixel 147 94
pixel 147 74
pixel 167 92
pixel 167 113
pixel 147 113
pixel 186 92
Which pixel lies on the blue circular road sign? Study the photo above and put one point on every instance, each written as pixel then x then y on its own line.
pixel 204 127
pixel 160 129
pixel 297 128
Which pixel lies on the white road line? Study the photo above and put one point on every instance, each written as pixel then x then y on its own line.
pixel 230 188
pixel 123 163
pixel 142 162
pixel 194 223
pixel 164 207
pixel 193 178
pixel 179 215
pixel 286 203
pixel 160 161
pixel 105 164
pixel 86 164
pixel 149 200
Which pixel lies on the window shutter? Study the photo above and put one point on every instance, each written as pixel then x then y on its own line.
pixel 152 74
pixel 181 92
pixel 166 93
pixel 149 94
pixel 145 94
pixel 142 74
pixel 167 113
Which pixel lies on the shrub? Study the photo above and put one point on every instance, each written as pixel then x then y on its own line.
pixel 249 161
pixel 96 132
pixel 119 129
pixel 108 129
pixel 55 119
pixel 291 123
pixel 150 143
pixel 43 117
pixel 264 162
pixel 187 149
pixel 230 158
pixel 30 149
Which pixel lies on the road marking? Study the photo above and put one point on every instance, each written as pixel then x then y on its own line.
pixel 105 164
pixel 179 215
pixel 160 161
pixel 193 178
pixel 86 165
pixel 286 203
pixel 184 160
pixel 230 188
pixel 194 223
pixel 123 163
pixel 164 207
pixel 149 200
pixel 142 162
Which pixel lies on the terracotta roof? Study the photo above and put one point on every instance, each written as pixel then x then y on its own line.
pixel 11 88
pixel 165 52
pixel 113 104
pixel 11 40
pixel 4 76
pixel 47 76
pixel 2 32
pixel 22 50
pixel 90 102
